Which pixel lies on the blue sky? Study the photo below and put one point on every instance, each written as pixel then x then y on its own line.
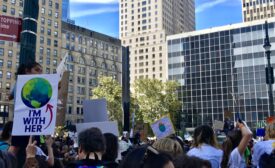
pixel 103 15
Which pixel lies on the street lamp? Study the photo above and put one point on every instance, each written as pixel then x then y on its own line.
pixel 269 70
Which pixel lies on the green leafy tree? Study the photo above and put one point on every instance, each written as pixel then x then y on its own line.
pixel 111 90
pixel 156 99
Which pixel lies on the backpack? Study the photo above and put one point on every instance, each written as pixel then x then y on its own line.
pixel 267 160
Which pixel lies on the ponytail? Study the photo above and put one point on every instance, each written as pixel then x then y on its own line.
pixel 227 147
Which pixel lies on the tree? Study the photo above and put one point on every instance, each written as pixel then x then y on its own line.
pixel 156 99
pixel 111 90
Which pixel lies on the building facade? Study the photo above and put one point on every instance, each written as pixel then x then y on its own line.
pixel 257 9
pixel 91 55
pixel 222 73
pixel 48 46
pixel 144 25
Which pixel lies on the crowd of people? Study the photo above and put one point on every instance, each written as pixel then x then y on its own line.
pixel 96 150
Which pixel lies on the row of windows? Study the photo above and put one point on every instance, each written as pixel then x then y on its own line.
pixel 8 74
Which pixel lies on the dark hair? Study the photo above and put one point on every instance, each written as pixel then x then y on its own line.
pixel 111 151
pixel 91 140
pixel 233 139
pixel 26 66
pixel 6 133
pixel 143 157
pixel 204 134
pixel 184 161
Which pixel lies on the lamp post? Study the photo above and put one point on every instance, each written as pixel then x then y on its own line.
pixel 269 70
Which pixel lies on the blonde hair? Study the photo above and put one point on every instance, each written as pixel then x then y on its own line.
pixel 169 146
pixel 270 131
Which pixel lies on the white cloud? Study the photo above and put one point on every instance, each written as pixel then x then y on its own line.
pixel 208 5
pixel 93 12
pixel 94 1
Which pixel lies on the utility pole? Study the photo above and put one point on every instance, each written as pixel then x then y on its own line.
pixel 269 70
pixel 126 87
pixel 29 29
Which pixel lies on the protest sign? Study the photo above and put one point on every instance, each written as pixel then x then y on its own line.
pixel 62 67
pixel 105 127
pixel 35 104
pixel 95 110
pixel 163 127
pixel 218 125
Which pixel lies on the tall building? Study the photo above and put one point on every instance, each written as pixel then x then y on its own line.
pixel 48 46
pixel 257 9
pixel 144 25
pixel 65 10
pixel 222 72
pixel 91 55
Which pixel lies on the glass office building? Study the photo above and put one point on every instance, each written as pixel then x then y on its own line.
pixel 222 73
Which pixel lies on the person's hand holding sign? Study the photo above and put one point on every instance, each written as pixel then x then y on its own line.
pixel 31 148
pixel 31 162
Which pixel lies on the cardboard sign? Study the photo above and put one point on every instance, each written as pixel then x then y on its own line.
pixel 163 127
pixel 105 127
pixel 218 125
pixel 95 110
pixel 62 67
pixel 35 104
pixel 10 28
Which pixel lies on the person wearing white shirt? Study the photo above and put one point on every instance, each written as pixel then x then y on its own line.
pixel 235 146
pixel 264 146
pixel 205 146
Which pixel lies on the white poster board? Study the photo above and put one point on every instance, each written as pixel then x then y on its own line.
pixel 105 127
pixel 218 125
pixel 95 110
pixel 163 127
pixel 35 104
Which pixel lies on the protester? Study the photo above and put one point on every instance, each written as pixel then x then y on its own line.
pixel 91 144
pixel 205 146
pixel 19 143
pixel 147 157
pixel 263 147
pixel 6 136
pixel 184 161
pixel 235 146
pixel 111 152
pixel 169 146
pixel 31 161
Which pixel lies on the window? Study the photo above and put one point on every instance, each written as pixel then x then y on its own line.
pixel 49 32
pixel 56 5
pixel 13 1
pixel 48 42
pixel 8 75
pixel 49 22
pixel 55 43
pixel 42 30
pixel 42 20
pixel 10 53
pixel 8 86
pixel 48 52
pixel 50 3
pixel 1 51
pixel 50 13
pixel 12 11
pixel 55 53
pixel 43 10
pixel 9 64
pixel 1 63
pixel 1 74
pixel 56 24
pixel 41 50
pixel 55 34
pixel 41 40
pixel 56 14
pixel 4 8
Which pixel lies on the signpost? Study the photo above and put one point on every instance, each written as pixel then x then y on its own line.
pixel 10 28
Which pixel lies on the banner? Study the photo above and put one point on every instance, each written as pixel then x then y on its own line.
pixel 35 104
pixel 163 127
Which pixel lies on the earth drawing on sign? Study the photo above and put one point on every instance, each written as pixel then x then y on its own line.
pixel 36 93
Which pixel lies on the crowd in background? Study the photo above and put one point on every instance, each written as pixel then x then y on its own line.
pixel 95 149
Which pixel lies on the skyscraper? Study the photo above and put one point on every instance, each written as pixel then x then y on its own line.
pixel 144 25
pixel 222 73
pixel 257 9
pixel 65 10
